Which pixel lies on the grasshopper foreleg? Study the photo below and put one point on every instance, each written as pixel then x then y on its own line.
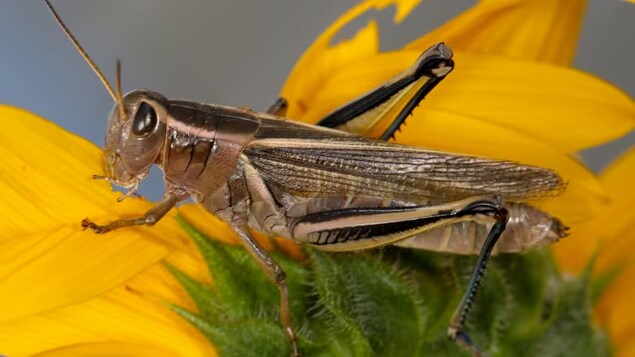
pixel 150 218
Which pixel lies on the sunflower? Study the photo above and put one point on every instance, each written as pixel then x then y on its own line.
pixel 606 240
pixel 145 291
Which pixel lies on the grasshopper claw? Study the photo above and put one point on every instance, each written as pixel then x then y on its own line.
pixel 87 223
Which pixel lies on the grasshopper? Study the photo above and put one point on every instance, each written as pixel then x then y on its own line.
pixel 324 186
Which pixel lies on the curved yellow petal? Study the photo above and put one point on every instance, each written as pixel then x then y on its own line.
pixel 618 179
pixel 443 131
pixel 122 315
pixel 535 30
pixel 611 235
pixel 566 108
pixel 616 226
pixel 207 223
pixel 46 260
pixel 109 349
pixel 322 58
pixel 626 348
pixel 319 62
pixel 615 309
pixel 51 270
pixel 46 176
pixel 215 228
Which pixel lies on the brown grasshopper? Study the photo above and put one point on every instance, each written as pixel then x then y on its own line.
pixel 325 187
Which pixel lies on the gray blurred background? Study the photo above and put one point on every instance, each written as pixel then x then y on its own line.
pixel 228 52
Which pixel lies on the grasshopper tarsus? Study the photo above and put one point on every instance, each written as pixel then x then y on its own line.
pixel 87 223
pixel 463 339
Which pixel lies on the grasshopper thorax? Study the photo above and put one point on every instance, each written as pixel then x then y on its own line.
pixel 135 140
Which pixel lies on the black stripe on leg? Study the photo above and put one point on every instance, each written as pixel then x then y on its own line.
pixel 369 231
pixel 341 235
pixel 434 64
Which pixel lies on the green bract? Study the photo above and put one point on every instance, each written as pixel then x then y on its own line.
pixel 390 302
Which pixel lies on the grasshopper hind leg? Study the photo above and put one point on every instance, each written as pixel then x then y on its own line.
pixel 456 330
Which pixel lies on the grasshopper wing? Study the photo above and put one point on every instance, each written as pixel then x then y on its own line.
pixel 313 161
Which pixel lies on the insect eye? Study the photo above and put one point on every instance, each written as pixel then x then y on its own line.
pixel 145 120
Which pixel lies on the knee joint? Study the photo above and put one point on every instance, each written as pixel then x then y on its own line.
pixel 279 277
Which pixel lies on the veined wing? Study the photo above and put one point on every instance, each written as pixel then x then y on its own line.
pixel 313 161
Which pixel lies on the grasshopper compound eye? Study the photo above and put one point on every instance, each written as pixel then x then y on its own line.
pixel 145 120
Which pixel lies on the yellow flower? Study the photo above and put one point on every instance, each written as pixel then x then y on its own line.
pixel 64 288
pixel 610 238
pixel 65 291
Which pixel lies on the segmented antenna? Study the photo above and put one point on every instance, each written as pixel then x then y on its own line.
pixel 117 98
pixel 122 109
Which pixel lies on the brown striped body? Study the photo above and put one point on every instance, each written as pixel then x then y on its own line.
pixel 213 152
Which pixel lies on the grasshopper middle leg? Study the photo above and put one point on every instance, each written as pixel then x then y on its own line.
pixel 276 275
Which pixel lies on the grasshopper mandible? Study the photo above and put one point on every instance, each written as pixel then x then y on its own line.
pixel 326 187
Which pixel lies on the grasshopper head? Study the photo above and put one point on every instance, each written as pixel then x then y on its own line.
pixel 135 140
pixel 136 126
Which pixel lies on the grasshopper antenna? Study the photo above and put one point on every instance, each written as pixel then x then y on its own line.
pixel 119 100
pixel 117 97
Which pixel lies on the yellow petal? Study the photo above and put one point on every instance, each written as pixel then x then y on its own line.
pixel 207 223
pixel 568 109
pixel 46 260
pixel 46 177
pixel 618 179
pixel 108 349
pixel 615 309
pixel 612 233
pixel 122 316
pixel 448 132
pixel 217 229
pixel 52 270
pixel 542 30
pixel 610 237
pixel 319 62
pixel 617 223
pixel 535 30
pixel 321 59
pixel 626 348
